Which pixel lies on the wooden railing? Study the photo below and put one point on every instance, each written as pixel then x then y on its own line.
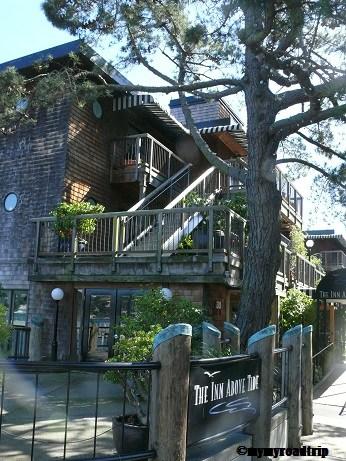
pixel 297 270
pixel 142 150
pixel 290 196
pixel 332 260
pixel 164 232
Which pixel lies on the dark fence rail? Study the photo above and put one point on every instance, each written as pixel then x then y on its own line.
pixel 280 381
pixel 69 410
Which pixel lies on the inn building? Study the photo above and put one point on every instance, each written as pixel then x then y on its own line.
pixel 162 226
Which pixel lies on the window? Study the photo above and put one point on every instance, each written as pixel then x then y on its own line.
pixel 10 201
pixel 97 109
pixel 16 302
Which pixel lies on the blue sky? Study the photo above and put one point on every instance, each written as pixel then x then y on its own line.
pixel 24 30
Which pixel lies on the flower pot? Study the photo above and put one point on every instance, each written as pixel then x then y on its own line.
pixel 136 435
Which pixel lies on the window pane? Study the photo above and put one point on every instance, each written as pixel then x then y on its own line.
pixel 20 306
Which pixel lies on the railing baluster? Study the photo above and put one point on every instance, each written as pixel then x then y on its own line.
pixel 96 412
pixel 67 410
pixel 124 409
pixel 34 419
pixel 2 400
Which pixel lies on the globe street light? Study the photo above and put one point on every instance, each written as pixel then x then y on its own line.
pixel 57 295
pixel 166 293
pixel 309 244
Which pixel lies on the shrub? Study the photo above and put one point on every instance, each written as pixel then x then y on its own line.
pixel 5 329
pixel 65 214
pixel 135 335
pixel 296 308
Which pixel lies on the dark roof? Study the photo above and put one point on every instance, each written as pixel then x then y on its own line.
pixel 147 104
pixel 326 235
pixel 332 286
pixel 236 130
pixel 63 51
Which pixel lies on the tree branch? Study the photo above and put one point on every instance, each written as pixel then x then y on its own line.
pixel 321 146
pixel 315 167
pixel 290 98
pixel 283 128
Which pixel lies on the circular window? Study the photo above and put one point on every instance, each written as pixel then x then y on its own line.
pixel 97 109
pixel 10 201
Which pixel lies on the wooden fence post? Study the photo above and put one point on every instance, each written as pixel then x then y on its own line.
pixel 292 339
pixel 232 333
pixel 307 386
pixel 169 393
pixel 262 343
pixel 211 340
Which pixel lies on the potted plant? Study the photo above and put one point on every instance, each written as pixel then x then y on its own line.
pixel 135 334
pixel 65 214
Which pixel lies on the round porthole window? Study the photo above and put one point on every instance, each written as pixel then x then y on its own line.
pixel 10 201
pixel 97 109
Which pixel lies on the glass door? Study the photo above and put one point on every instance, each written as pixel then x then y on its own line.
pixel 99 321
pixel 103 308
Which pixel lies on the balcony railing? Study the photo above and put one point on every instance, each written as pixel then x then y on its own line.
pixel 144 151
pixel 292 200
pixel 297 270
pixel 158 233
pixel 332 260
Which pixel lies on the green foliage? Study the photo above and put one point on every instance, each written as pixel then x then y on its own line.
pixel 5 329
pixel 136 333
pixel 65 214
pixel 236 203
pixel 186 243
pixel 296 308
pixel 297 238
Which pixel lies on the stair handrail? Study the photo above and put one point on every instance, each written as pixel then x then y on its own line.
pixel 190 187
pixel 169 182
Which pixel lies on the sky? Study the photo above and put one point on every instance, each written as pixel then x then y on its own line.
pixel 24 30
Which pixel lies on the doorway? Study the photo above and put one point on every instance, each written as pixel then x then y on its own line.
pixel 102 310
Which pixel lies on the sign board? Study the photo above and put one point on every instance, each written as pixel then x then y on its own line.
pixel 222 397
pixel 331 294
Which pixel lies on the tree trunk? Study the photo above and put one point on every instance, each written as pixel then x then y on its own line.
pixel 262 255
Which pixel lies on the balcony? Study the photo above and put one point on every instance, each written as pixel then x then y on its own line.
pixel 136 156
pixel 332 260
pixel 292 201
pixel 295 270
pixel 199 243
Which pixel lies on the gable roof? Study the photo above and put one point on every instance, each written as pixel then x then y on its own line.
pixel 62 51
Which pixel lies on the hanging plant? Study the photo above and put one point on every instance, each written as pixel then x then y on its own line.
pixel 65 214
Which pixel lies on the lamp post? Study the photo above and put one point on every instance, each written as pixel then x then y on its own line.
pixel 166 293
pixel 57 295
pixel 309 244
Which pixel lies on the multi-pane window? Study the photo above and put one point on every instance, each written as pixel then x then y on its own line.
pixel 16 303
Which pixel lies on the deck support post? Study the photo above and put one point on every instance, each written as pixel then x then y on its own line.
pixel 262 344
pixel 307 386
pixel 170 389
pixel 292 340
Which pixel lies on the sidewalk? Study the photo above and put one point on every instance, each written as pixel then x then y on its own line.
pixel 329 417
